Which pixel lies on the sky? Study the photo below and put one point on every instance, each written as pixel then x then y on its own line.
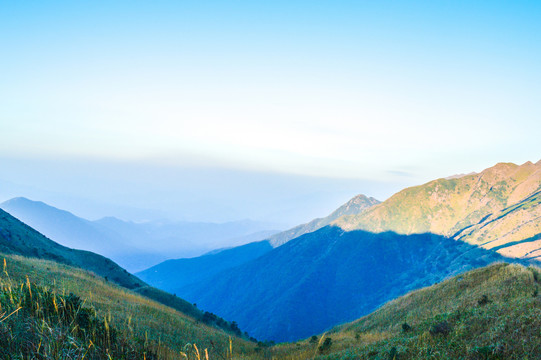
pixel 282 110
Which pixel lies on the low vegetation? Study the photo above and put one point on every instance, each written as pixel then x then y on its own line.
pixel 54 311
pixel 17 238
pixel 488 313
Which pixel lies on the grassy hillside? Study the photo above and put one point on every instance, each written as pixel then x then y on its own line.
pixel 514 231
pixel 356 205
pixel 116 318
pixel 498 206
pixel 488 313
pixel 19 239
pixel 65 228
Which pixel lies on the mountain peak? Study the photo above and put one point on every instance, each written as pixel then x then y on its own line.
pixel 19 200
pixel 354 206
pixel 445 206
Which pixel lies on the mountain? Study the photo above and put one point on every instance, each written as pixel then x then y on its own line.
pixel 498 208
pixel 419 236
pixel 356 205
pixel 175 275
pixel 328 277
pixel 489 313
pixel 20 239
pixel 135 246
pixel 64 227
pixel 17 238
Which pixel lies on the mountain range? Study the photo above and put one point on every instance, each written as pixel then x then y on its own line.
pixel 417 237
pixel 174 275
pixel 331 270
pixel 135 246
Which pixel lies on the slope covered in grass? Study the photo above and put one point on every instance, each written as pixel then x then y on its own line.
pixel 488 313
pixel 496 206
pixel 19 239
pixel 140 323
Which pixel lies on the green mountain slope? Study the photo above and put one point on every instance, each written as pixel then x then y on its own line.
pixel 356 205
pixel 19 239
pixel 488 313
pixel 125 322
pixel 500 205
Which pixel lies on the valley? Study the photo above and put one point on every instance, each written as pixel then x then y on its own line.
pixel 365 259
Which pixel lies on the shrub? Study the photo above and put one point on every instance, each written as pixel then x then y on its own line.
pixel 441 328
pixel 406 327
pixel 326 346
pixel 483 300
pixel 393 354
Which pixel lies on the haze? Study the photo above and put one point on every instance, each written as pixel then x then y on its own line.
pixel 279 112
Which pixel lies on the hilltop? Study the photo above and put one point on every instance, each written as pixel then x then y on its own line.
pixel 356 205
pixel 498 208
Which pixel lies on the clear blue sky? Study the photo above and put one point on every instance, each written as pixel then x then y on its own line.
pixel 396 92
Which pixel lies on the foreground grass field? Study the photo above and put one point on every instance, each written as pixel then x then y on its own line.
pixel 142 328
pixel 53 311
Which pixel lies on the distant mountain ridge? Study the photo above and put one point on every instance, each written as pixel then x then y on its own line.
pixel 20 239
pixel 66 228
pixel 176 275
pixel 135 246
pixel 172 275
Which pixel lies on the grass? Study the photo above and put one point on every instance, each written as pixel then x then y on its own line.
pixel 489 313
pixel 446 206
pixel 53 311
pixel 140 325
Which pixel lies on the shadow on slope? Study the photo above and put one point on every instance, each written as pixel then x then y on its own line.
pixel 174 274
pixel 330 276
pixel 488 313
